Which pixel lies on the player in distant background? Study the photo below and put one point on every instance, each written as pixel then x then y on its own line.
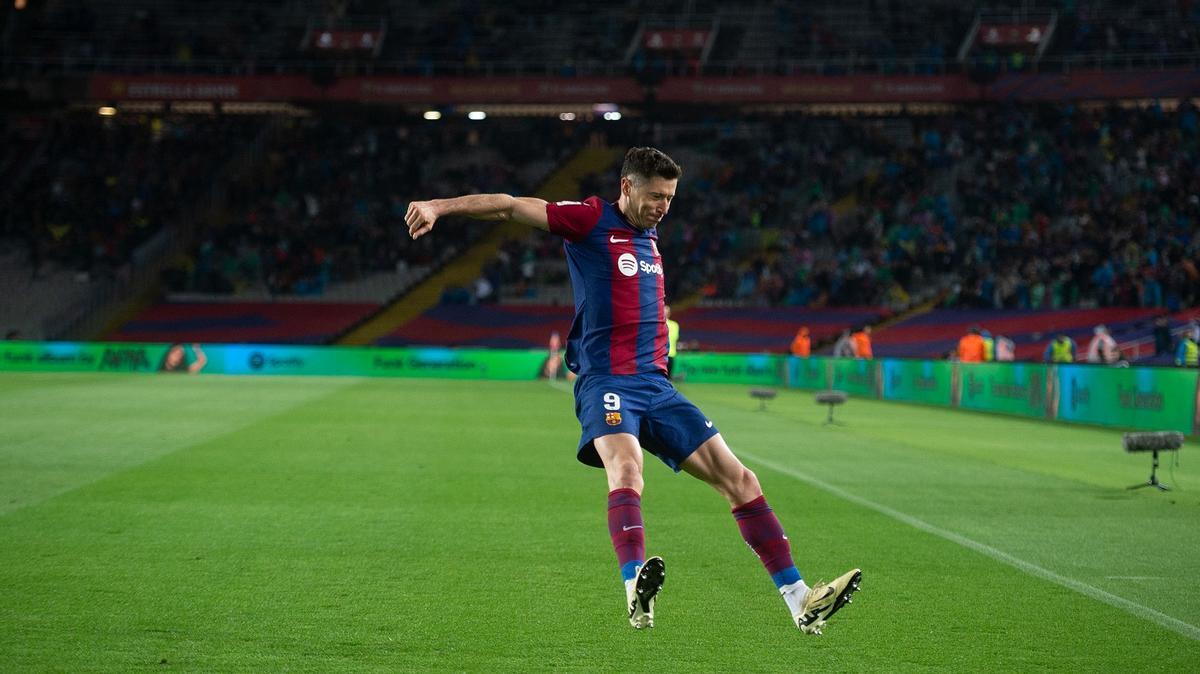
pixel 624 402
pixel 672 340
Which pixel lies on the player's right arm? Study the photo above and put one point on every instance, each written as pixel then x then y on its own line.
pixel 571 220
pixel 530 211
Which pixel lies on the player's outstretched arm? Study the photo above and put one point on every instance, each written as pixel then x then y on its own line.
pixel 422 215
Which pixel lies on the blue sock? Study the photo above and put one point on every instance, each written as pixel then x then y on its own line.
pixel 786 577
pixel 629 569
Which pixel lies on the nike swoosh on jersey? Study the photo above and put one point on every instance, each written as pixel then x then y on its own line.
pixel 613 239
pixel 636 526
pixel 708 424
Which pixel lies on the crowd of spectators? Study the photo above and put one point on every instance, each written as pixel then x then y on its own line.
pixel 327 201
pixel 1024 207
pixel 469 37
pixel 93 189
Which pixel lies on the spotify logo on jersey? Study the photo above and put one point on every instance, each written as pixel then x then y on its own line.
pixel 628 264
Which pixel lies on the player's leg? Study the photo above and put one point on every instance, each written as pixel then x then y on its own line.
pixel 621 455
pixel 714 463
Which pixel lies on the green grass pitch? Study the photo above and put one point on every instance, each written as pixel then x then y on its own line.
pixel 154 523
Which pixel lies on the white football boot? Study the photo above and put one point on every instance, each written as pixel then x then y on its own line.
pixel 641 591
pixel 824 599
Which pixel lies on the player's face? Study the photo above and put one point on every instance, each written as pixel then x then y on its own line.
pixel 649 199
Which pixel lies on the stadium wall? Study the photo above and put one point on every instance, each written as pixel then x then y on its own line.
pixel 1146 398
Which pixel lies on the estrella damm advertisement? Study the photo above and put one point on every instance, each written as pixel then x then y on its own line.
pixel 1128 397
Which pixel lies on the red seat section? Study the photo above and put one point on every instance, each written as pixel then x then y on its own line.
pixel 506 327
pixel 712 329
pixel 934 334
pixel 243 322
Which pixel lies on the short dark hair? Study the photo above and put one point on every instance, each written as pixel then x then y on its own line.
pixel 648 162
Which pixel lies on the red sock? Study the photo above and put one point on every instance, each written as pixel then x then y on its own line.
pixel 627 531
pixel 763 533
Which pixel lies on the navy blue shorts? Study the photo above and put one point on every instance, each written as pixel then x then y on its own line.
pixel 647 406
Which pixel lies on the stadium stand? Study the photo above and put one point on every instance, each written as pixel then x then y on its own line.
pixel 708 329
pixel 243 322
pixel 584 39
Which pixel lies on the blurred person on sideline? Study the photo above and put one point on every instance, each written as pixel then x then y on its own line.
pixel 175 360
pixel 970 346
pixel 802 343
pixel 1188 352
pixel 672 340
pixel 862 343
pixel 1006 349
pixel 1061 349
pixel 989 346
pixel 1102 348
pixel 844 348
pixel 1162 336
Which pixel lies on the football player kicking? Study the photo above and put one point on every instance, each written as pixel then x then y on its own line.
pixel 618 348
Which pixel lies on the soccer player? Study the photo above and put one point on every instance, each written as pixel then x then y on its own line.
pixel 624 402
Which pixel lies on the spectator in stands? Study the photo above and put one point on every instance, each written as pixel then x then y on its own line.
pixel 1060 350
pixel 175 360
pixel 970 347
pixel 1102 348
pixel 802 343
pixel 844 348
pixel 672 340
pixel 1188 353
pixel 862 343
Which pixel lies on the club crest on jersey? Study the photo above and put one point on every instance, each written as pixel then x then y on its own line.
pixel 612 418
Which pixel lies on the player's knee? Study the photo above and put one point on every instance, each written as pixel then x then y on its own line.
pixel 748 487
pixel 625 475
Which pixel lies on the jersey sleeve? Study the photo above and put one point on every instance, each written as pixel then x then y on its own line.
pixel 573 220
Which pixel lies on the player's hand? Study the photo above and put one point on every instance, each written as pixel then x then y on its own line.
pixel 420 218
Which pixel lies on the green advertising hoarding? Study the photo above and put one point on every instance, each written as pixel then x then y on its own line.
pixel 730 368
pixel 808 373
pixel 1009 388
pixel 918 381
pixel 859 377
pixel 80 357
pixel 1152 398
pixel 277 360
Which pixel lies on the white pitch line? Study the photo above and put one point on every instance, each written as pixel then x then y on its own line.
pixel 1173 624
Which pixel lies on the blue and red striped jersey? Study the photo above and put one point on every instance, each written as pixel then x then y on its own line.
pixel 617 279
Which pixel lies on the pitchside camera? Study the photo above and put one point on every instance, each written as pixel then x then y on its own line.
pixel 1155 442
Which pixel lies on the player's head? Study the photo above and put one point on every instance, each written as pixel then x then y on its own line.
pixel 648 180
pixel 666 311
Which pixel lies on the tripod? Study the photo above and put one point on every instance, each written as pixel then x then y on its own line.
pixel 1153 481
